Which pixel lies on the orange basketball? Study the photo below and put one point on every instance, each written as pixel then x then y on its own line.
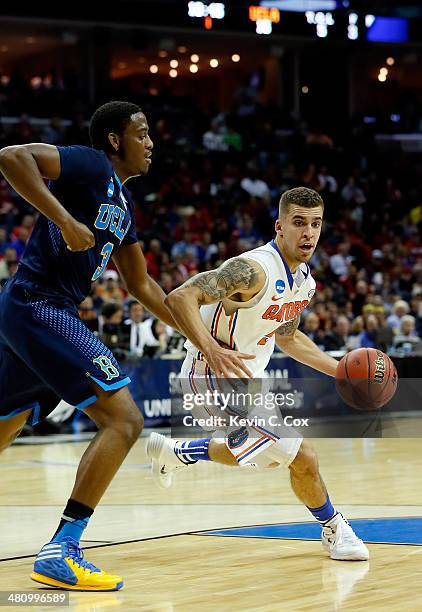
pixel 366 379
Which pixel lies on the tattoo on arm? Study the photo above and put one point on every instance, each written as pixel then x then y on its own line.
pixel 288 329
pixel 231 277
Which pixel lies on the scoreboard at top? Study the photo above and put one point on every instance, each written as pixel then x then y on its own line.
pixel 315 18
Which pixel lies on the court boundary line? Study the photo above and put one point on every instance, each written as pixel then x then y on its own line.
pixel 170 535
pixel 204 533
pixel 378 518
pixel 220 535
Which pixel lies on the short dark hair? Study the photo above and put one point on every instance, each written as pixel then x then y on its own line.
pixel 302 196
pixel 110 117
pixel 109 309
pixel 133 303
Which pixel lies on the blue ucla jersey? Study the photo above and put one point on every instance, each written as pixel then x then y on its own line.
pixel 91 192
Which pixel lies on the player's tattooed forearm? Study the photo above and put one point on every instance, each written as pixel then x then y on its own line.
pixel 235 275
pixel 288 329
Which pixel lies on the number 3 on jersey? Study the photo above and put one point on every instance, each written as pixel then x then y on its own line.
pixel 106 253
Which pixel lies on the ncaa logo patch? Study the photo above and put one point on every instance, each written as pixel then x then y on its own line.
pixel 280 286
pixel 110 189
pixel 311 293
pixel 237 438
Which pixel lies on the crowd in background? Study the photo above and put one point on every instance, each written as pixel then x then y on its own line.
pixel 213 192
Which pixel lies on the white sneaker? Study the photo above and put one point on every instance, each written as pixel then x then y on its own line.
pixel 163 458
pixel 341 541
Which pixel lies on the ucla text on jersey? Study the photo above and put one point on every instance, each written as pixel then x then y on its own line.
pixel 92 193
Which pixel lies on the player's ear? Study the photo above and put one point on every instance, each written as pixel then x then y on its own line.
pixel 114 140
pixel 278 228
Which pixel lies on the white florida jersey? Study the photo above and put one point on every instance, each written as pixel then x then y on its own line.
pixel 249 327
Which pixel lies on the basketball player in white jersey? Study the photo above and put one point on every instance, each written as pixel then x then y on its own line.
pixel 250 303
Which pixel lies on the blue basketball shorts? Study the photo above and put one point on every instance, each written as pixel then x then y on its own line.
pixel 48 354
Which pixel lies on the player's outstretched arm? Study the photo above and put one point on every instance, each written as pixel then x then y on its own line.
pixel 132 267
pixel 238 278
pixel 297 344
pixel 25 167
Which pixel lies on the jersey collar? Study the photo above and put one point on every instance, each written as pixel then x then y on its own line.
pixel 116 178
pixel 288 272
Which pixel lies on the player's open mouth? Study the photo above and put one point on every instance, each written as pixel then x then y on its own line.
pixel 148 157
pixel 306 248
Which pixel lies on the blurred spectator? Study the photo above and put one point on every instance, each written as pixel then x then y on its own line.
pixel 339 262
pixel 110 325
pixel 132 339
pixel 400 308
pixel 338 338
pixel 327 182
pixel 356 330
pixel 311 327
pixel 110 291
pixel 213 139
pixel 26 224
pixel 19 243
pixel 232 139
pixel 154 337
pixel 351 193
pixel 206 249
pixel 255 186
pixel 247 233
pixel 8 263
pixel 368 337
pixel 407 332
pixel 88 314
pixel 154 257
pixel 385 334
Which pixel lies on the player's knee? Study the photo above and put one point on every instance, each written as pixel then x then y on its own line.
pixel 306 460
pixel 126 419
pixel 131 423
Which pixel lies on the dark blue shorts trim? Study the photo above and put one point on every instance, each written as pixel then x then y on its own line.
pixel 35 414
pixel 93 398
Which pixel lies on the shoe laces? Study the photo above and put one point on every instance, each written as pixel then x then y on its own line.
pixel 77 555
pixel 343 528
pixel 329 533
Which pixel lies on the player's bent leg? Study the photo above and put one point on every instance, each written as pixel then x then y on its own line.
pixel 60 563
pixel 305 477
pixel 169 456
pixel 338 537
pixel 219 453
pixel 11 427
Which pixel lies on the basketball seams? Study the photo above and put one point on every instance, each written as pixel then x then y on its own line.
pixel 368 378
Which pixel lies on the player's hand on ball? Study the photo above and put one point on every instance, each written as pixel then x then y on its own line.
pixel 228 363
pixel 78 237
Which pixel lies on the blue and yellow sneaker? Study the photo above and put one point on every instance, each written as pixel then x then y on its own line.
pixel 62 565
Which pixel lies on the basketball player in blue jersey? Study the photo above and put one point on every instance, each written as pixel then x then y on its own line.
pixel 46 352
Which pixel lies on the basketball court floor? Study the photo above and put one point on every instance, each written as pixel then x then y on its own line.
pixel 224 538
